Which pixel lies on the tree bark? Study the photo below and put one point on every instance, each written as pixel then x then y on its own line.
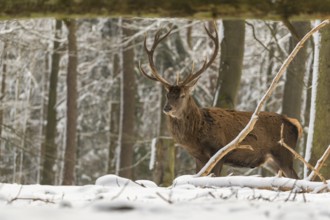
pixel 321 138
pixel 3 90
pixel 298 9
pixel 71 129
pixel 49 146
pixel 231 62
pixel 294 83
pixel 128 106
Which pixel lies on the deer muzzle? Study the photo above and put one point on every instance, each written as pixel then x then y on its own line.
pixel 167 109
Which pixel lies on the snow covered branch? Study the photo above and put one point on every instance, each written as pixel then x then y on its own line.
pixel 268 183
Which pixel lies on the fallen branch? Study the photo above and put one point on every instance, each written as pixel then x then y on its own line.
pixel 31 199
pixel 249 127
pixel 299 157
pixel 254 182
pixel 319 164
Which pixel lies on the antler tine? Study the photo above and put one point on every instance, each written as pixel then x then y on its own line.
pixel 194 76
pixel 145 74
pixel 156 76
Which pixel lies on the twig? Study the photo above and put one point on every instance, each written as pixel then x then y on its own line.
pixel 319 164
pixel 259 41
pixel 298 156
pixel 121 190
pixel 169 201
pixel 249 127
pixel 31 199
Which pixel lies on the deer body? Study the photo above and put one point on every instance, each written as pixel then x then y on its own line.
pixel 203 131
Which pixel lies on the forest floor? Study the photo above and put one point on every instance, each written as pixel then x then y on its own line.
pixel 113 197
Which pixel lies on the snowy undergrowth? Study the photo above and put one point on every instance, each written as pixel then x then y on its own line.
pixel 114 197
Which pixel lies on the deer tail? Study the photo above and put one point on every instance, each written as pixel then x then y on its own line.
pixel 297 124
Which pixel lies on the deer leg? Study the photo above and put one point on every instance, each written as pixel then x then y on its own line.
pixel 199 165
pixel 286 165
pixel 215 171
pixel 290 172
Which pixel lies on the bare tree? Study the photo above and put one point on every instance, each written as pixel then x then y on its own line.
pixel 321 137
pixel 231 63
pixel 71 130
pixel 295 75
pixel 49 145
pixel 128 106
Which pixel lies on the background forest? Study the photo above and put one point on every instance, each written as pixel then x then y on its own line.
pixel 75 107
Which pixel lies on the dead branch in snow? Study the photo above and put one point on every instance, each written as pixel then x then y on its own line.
pixel 234 144
pixel 319 164
pixel 30 199
pixel 255 182
pixel 299 157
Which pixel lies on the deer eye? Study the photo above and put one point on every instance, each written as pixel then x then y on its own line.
pixel 182 96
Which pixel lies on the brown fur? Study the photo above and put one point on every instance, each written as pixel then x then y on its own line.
pixel 203 131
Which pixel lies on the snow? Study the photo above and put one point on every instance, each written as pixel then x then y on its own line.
pixel 153 154
pixel 114 197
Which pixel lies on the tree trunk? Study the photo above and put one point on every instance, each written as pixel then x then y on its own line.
pixel 294 83
pixel 321 137
pixel 128 106
pixel 114 119
pixel 231 62
pixel 2 94
pixel 49 146
pixel 71 130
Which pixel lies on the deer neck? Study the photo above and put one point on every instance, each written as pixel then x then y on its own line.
pixel 186 127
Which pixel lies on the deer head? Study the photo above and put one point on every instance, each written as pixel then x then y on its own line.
pixel 178 94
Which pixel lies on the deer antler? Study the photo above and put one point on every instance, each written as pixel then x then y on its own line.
pixel 155 75
pixel 194 76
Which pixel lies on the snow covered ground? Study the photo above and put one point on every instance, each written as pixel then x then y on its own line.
pixel 113 197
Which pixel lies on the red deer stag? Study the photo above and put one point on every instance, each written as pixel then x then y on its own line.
pixel 203 131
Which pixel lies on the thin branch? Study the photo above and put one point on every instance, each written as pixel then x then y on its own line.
pixel 249 127
pixel 121 190
pixel 319 164
pixel 31 199
pixel 259 41
pixel 298 156
pixel 169 201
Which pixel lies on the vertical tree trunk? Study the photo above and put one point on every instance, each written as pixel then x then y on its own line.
pixel 49 145
pixel 3 90
pixel 295 75
pixel 128 105
pixel 70 150
pixel 231 62
pixel 294 84
pixel 114 121
pixel 321 137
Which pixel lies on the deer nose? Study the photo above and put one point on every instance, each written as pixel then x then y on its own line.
pixel 167 108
